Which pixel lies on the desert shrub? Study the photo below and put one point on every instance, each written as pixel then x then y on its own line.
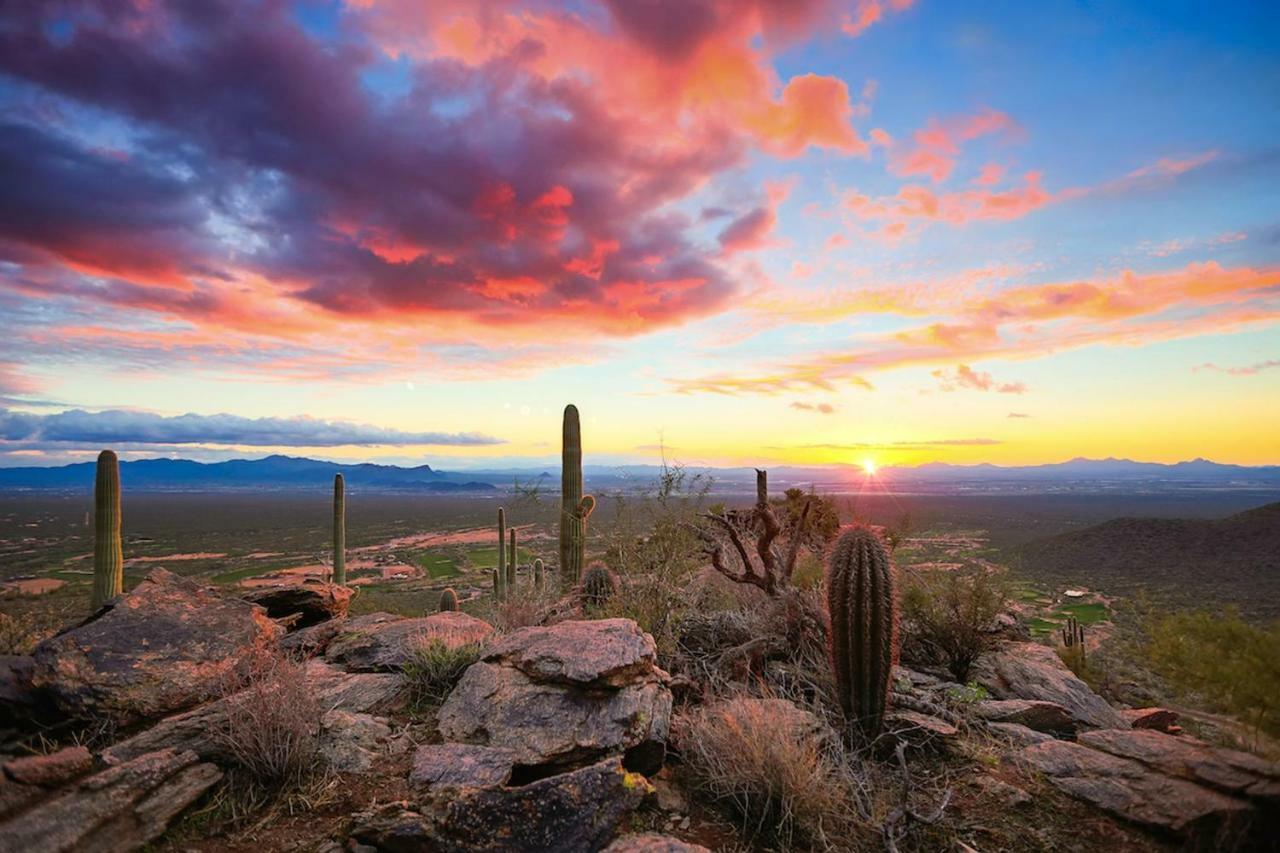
pixel 272 727
pixel 947 619
pixel 787 786
pixel 822 522
pixel 18 634
pixel 1222 660
pixel 434 667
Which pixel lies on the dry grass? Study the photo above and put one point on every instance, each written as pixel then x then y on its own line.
pixel 272 728
pixel 434 667
pixel 794 789
pixel 18 634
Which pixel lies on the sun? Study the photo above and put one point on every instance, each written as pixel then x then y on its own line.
pixel 869 466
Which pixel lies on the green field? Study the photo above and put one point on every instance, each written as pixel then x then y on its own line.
pixel 1089 613
pixel 487 558
pixel 438 565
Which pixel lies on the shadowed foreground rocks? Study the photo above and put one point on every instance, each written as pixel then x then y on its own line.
pixel 166 645
pixel 382 642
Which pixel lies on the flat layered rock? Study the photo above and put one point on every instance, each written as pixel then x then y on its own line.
pixel 50 770
pixel 1227 770
pixel 579 810
pixel 1033 671
pixel 554 723
pixel 195 730
pixel 312 602
pixel 919 729
pixel 166 645
pixel 120 809
pixel 1160 719
pixel 601 652
pixel 460 765
pixel 382 642
pixel 652 842
pixel 1017 734
pixel 1137 793
pixel 1035 714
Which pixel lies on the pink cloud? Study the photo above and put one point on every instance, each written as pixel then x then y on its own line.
pixel 937 145
pixel 966 377
pixel 1247 370
pixel 820 408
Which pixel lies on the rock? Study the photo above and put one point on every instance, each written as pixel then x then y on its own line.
pixel 194 730
pixel 652 842
pixel 1033 671
pixel 20 703
pixel 1002 792
pixel 164 646
pixel 597 653
pixel 579 810
pixel 312 641
pixel 531 694
pixel 316 602
pixel 120 809
pixel 1237 773
pixel 1159 719
pixel 1035 714
pixel 15 796
pixel 919 729
pixel 48 771
pixel 1130 790
pixel 380 641
pixel 460 765
pixel 669 797
pixel 1017 734
pixel 350 742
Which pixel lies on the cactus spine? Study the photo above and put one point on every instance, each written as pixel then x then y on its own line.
pixel 500 582
pixel 108 553
pixel 511 562
pixel 339 530
pixel 448 600
pixel 598 586
pixel 575 509
pixel 864 626
pixel 537 573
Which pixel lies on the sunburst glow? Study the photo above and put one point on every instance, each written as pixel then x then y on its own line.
pixel 869 465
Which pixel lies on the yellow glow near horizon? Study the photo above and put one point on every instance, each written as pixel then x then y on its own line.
pixel 869 465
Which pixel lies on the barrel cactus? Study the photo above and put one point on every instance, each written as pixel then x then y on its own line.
pixel 864 626
pixel 339 530
pixel 108 553
pixel 500 582
pixel 448 601
pixel 598 586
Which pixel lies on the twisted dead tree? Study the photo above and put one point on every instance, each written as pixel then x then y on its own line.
pixel 767 568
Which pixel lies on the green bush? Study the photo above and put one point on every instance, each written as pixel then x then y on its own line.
pixel 434 667
pixel 1227 663
pixel 947 619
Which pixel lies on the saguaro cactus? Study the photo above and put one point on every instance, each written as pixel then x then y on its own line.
pixel 108 553
pixel 864 626
pixel 500 582
pixel 448 600
pixel 537 573
pixel 575 508
pixel 511 561
pixel 339 530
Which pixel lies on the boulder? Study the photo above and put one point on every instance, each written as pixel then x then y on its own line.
pixel 460 765
pixel 48 771
pixel 565 694
pixel 578 810
pixel 652 842
pixel 1035 714
pixel 1135 792
pixel 1017 734
pixel 1033 671
pixel 1230 771
pixel 312 641
pixel 120 809
pixel 351 742
pixel 1160 719
pixel 381 642
pixel 195 730
pixel 313 602
pixel 166 645
pixel 919 729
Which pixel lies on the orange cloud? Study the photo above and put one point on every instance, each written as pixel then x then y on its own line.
pixel 937 145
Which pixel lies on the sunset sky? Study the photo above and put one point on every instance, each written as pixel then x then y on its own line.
pixel 753 231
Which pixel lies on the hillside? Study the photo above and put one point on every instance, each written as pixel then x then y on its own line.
pixel 1196 562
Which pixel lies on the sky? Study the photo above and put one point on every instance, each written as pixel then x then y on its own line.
pixel 730 231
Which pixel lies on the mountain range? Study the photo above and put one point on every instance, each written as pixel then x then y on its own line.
pixel 288 472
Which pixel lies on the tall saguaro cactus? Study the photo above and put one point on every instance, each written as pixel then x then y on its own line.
pixel 575 508
pixel 864 626
pixel 500 581
pixel 339 530
pixel 511 562
pixel 108 553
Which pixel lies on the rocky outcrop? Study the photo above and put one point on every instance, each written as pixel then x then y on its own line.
pixel 1033 671
pixel 351 742
pixel 652 842
pixel 1159 719
pixel 578 810
pixel 196 730
pixel 49 770
pixel 460 765
pixel 382 642
pixel 311 603
pixel 120 809
pixel 565 694
pixel 1035 714
pixel 166 645
pixel 1017 735
pixel 1213 798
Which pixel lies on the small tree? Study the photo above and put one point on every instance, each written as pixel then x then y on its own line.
pixel 949 618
